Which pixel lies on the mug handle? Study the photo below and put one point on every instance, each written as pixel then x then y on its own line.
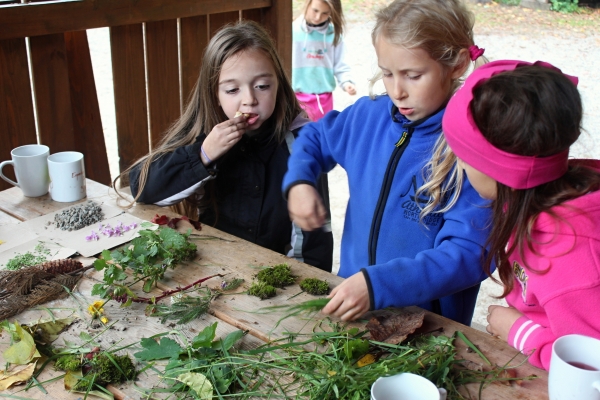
pixel 2 164
pixel 443 393
pixel 596 385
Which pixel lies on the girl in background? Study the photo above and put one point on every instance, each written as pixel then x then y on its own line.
pixel 393 254
pixel 511 126
pixel 227 153
pixel 318 56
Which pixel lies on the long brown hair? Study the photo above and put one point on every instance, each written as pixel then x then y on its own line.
pixel 203 111
pixel 530 111
pixel 336 17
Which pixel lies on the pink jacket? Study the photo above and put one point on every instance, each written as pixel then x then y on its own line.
pixel 565 299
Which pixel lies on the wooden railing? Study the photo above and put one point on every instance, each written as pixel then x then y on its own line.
pixel 156 50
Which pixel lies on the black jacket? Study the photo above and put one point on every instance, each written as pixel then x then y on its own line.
pixel 247 184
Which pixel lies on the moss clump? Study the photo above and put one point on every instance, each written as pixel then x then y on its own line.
pixel 278 276
pixel 106 368
pixel 261 290
pixel 314 286
pixel 68 363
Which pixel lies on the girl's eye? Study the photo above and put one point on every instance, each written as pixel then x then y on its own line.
pixel 231 91
pixel 387 74
pixel 263 87
pixel 414 77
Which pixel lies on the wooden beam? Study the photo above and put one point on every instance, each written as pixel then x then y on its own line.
pixel 34 19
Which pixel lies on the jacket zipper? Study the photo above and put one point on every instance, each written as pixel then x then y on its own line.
pixel 400 145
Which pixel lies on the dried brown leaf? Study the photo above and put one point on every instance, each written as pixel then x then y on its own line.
pixel 394 326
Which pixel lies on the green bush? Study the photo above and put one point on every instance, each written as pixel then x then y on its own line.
pixel 566 6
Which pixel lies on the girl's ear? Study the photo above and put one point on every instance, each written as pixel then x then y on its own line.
pixel 463 64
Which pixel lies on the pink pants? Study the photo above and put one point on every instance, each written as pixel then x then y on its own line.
pixel 316 105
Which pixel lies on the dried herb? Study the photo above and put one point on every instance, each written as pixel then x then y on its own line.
pixel 261 290
pixel 28 259
pixel 277 276
pixel 314 286
pixel 183 309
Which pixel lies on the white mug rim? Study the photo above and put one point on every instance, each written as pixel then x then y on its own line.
pixel 56 157
pixel 558 352
pixel 43 149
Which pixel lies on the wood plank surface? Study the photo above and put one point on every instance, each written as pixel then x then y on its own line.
pixel 217 21
pixel 127 53
pixel 163 77
pixel 193 38
pixel 221 253
pixel 50 71
pixel 17 121
pixel 87 124
pixel 278 21
pixel 21 20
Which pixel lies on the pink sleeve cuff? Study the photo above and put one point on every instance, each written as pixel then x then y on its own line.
pixel 520 332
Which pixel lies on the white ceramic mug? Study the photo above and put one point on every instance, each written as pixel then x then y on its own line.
pixel 67 176
pixel 575 368
pixel 31 169
pixel 406 386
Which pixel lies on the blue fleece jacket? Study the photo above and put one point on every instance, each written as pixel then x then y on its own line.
pixel 436 264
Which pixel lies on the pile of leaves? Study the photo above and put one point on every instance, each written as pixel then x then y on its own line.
pixel 335 362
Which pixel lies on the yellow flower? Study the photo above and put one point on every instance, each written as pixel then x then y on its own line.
pixel 95 309
pixel 104 320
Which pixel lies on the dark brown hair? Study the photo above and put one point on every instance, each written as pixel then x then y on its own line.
pixel 530 111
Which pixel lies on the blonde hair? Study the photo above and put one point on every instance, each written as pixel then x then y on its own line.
pixel 336 17
pixel 444 29
pixel 203 111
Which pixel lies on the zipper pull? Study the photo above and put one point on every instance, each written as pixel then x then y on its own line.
pixel 402 139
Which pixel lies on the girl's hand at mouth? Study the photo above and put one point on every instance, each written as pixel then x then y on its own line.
pixel 224 136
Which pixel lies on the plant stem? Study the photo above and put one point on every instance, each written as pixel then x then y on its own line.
pixel 153 300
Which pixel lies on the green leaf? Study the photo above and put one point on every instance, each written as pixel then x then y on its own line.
pixel 106 255
pixel 229 340
pixel 205 338
pixel 100 264
pixel 199 383
pixel 356 348
pixel 98 289
pixel 23 351
pixel 148 285
pixel 167 348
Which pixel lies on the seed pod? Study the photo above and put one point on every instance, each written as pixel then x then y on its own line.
pixel 61 266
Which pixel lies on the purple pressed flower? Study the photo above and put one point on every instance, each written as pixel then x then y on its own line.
pixel 223 284
pixel 92 236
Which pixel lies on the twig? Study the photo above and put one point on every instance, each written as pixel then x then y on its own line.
pixel 153 300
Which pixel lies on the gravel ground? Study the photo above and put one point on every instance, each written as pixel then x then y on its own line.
pixel 571 42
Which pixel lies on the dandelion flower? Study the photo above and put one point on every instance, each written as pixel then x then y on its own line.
pixel 95 309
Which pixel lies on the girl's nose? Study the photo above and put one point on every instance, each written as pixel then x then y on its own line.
pixel 249 98
pixel 398 92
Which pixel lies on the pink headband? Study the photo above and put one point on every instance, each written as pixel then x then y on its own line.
pixel 467 142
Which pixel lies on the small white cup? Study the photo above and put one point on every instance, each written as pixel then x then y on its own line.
pixel 31 169
pixel 575 368
pixel 67 176
pixel 406 386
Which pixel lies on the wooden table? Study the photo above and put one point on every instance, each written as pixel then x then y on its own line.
pixel 236 258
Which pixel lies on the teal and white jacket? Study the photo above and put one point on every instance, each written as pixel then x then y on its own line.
pixel 316 62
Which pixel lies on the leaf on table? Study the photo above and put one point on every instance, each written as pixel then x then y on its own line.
pixel 17 376
pixel 153 350
pixel 24 350
pixel 48 331
pixel 394 326
pixel 199 383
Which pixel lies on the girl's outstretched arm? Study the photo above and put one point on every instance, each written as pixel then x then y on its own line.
pixel 500 319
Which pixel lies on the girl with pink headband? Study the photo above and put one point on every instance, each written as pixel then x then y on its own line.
pixel 511 126
pixel 392 254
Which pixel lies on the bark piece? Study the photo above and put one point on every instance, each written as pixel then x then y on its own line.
pixel 394 326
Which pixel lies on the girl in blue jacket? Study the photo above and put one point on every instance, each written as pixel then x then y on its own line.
pixel 407 239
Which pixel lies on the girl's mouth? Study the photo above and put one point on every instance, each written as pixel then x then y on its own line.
pixel 252 118
pixel 406 111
